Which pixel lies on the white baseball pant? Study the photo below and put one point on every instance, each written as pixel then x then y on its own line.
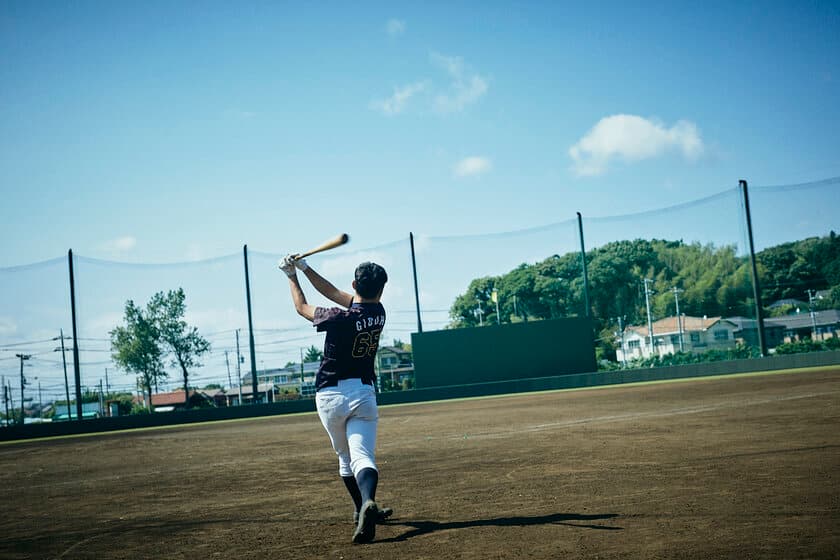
pixel 350 415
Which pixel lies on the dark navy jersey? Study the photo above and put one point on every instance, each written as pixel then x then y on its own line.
pixel 351 343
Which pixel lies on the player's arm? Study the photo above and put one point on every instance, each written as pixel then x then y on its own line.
pixel 304 309
pixel 298 298
pixel 324 286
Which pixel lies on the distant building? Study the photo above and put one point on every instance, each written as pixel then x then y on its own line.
pixel 747 333
pixel 706 333
pixel 394 362
pixel 174 400
pixel 691 334
pixel 89 410
pixel 819 325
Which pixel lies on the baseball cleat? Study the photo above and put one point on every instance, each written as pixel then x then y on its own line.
pixel 366 527
pixel 381 515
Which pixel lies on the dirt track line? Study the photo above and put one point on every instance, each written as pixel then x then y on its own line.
pixel 77 545
pixel 636 416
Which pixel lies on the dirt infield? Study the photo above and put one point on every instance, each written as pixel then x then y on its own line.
pixel 728 467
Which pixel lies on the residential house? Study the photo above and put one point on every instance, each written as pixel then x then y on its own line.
pixel 673 334
pixel 395 362
pixel 817 325
pixel 174 400
pixel 747 331
pixel 244 394
pixel 286 377
pixel 89 410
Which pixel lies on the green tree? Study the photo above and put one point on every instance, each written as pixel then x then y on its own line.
pixel 312 355
pixel 183 343
pixel 135 348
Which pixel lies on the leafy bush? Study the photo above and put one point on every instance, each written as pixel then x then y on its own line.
pixel 740 352
pixel 808 345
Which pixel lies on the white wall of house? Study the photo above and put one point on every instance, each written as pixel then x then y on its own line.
pixel 719 335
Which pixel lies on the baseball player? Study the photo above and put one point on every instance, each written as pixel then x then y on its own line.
pixel 345 394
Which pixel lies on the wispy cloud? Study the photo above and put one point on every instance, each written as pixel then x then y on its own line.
pixel 396 103
pixel 472 166
pixel 632 138
pixel 395 27
pixel 464 88
pixel 118 246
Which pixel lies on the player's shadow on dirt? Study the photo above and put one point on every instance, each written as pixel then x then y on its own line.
pixel 570 519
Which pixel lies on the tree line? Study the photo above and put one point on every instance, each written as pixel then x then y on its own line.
pixel 710 280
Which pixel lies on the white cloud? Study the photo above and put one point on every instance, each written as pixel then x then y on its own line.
pixel 396 103
pixel 472 166
pixel 118 246
pixel 632 138
pixel 395 27
pixel 464 89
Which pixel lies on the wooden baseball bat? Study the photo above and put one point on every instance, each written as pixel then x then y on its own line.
pixel 336 241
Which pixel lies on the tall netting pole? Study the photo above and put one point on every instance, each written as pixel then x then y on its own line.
pixel 416 292
pixel 587 312
pixel 76 370
pixel 250 329
pixel 759 308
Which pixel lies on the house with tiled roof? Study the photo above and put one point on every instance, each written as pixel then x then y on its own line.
pixel 675 334
pixel 174 400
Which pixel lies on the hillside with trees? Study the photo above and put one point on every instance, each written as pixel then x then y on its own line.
pixel 710 280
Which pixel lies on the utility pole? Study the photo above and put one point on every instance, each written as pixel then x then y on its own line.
pixel 101 400
pixel 811 297
pixel 40 401
pixel 11 400
pixel 679 318
pixel 301 365
pixel 23 358
pixel 647 304
pixel 227 363
pixel 495 297
pixel 6 400
pixel 107 385
pixel 480 312
pixel 238 368
pixel 66 384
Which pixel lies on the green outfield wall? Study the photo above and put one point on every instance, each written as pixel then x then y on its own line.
pixel 523 385
pixel 503 352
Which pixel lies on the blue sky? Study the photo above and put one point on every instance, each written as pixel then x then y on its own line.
pixel 166 132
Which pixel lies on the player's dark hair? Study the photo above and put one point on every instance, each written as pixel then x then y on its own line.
pixel 370 279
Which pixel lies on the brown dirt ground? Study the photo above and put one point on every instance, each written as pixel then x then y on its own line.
pixel 717 468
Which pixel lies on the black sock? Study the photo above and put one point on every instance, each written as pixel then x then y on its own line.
pixel 367 480
pixel 353 488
